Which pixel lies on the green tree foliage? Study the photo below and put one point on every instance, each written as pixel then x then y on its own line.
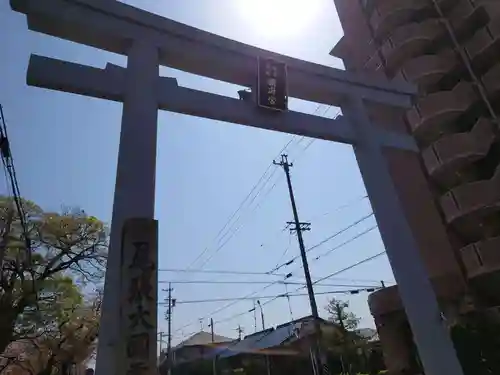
pixel 345 342
pixel 37 290
pixel 338 313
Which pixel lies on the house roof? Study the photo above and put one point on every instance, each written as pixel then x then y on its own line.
pixel 271 338
pixel 202 338
pixel 369 334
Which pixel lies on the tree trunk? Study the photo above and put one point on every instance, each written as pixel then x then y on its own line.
pixel 47 370
pixel 7 322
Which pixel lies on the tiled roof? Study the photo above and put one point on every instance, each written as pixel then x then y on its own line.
pixel 202 338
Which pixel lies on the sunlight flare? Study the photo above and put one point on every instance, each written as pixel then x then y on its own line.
pixel 278 18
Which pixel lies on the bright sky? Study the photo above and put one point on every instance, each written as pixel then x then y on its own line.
pixel 65 149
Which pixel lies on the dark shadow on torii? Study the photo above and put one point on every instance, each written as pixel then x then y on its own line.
pixel 149 41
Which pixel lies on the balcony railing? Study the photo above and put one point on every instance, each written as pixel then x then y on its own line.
pixel 449 154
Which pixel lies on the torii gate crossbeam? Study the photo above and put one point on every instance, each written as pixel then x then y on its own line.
pixel 149 41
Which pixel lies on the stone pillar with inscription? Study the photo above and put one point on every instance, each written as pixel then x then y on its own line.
pixel 138 302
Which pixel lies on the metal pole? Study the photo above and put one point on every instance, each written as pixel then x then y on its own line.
pixel 254 316
pixel 161 341
pixel 261 315
pixel 169 338
pixel 214 361
pixel 268 362
pixel 310 291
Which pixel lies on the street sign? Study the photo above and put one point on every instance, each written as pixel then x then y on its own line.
pixel 272 84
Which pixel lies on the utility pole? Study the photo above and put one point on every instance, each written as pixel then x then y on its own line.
pixel 161 333
pixel 168 316
pixel 261 315
pixel 268 362
pixel 299 228
pixel 254 316
pixel 214 361
pixel 240 331
pixel 340 321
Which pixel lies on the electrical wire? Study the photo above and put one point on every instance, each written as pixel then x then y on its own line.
pixel 286 250
pixel 8 162
pixel 225 307
pixel 346 242
pixel 289 275
pixel 339 246
pixel 283 295
pixel 297 140
pixel 244 273
pixel 340 208
pixel 222 272
pixel 255 208
pixel 312 140
pixel 251 282
pixel 336 234
pixel 236 214
pixel 366 260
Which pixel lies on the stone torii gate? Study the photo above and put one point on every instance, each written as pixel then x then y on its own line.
pixel 148 41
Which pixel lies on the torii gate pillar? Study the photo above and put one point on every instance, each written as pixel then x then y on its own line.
pixel 134 197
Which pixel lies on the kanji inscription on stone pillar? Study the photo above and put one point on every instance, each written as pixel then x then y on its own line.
pixel 139 279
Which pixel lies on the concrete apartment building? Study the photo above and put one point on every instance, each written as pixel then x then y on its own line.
pixel 451 191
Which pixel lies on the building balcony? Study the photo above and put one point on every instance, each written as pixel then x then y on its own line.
pixel 390 14
pixel 434 114
pixel 468 204
pixel 446 157
pixel 427 70
pixel 410 41
pixel 483 47
pixel 482 257
pixel 466 17
pixel 491 82
pixel 482 264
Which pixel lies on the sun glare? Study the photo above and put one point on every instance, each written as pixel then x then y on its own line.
pixel 278 18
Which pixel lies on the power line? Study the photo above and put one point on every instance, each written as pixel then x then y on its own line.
pixel 349 267
pixel 286 250
pixel 227 272
pixel 255 208
pixel 8 162
pixel 336 234
pixel 338 247
pixel 293 294
pixel 340 208
pixel 225 307
pixel 218 238
pixel 283 295
pixel 287 276
pixel 251 282
pixel 366 260
pixel 243 273
pixel 346 242
pixel 312 140
pixel 297 140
